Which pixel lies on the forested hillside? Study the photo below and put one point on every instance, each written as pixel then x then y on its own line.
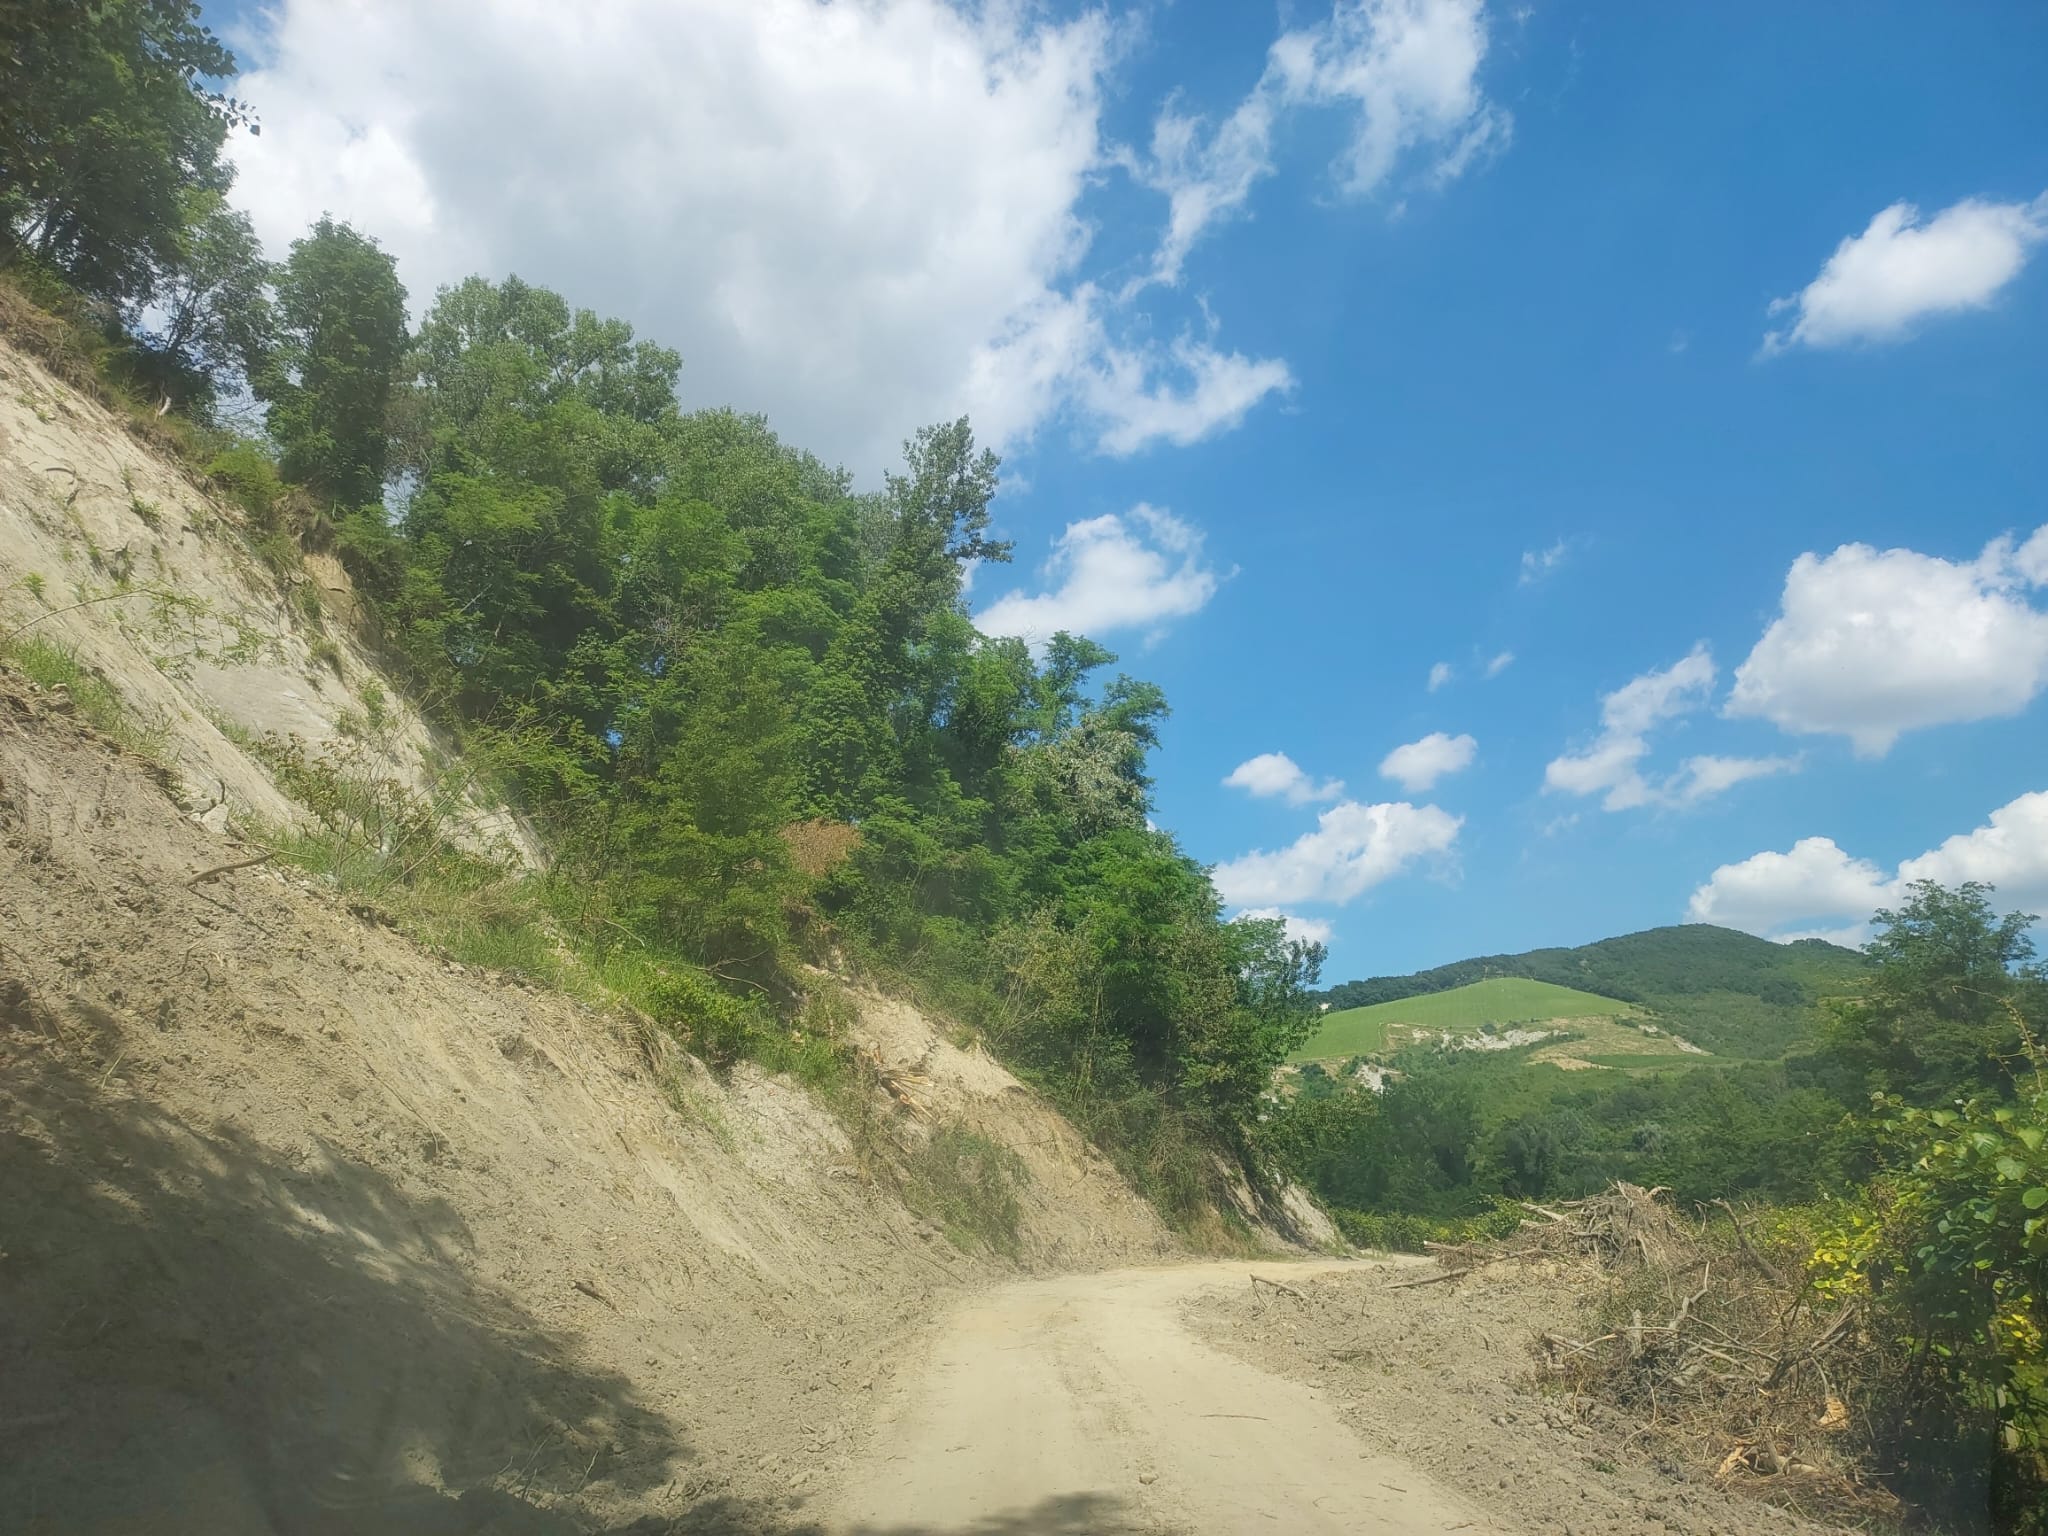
pixel 740 702
pixel 1728 992
pixel 742 708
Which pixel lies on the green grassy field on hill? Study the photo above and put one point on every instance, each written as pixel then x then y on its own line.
pixel 1728 992
pixel 1503 1001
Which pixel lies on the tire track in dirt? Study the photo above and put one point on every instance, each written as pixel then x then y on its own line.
pixel 1084 1403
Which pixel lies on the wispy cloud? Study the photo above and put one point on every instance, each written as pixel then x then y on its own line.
pixel 1405 71
pixel 1539 563
pixel 1612 764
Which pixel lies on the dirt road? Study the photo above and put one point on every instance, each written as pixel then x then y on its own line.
pixel 1083 1404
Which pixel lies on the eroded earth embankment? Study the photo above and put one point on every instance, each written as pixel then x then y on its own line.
pixel 307 1230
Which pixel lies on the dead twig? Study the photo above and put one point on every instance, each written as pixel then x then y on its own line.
pixel 1749 1248
pixel 594 1293
pixel 224 869
pixel 1409 1285
pixel 1259 1280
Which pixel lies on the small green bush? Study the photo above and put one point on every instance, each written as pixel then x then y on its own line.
pixel 712 1024
pixel 245 474
pixel 966 1185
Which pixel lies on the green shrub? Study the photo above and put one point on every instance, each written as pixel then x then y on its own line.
pixel 966 1185
pixel 1949 1253
pixel 245 474
pixel 712 1024
pixel 1408 1234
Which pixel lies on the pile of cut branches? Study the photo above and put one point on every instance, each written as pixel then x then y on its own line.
pixel 1725 1358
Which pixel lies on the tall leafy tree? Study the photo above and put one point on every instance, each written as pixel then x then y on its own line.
pixel 209 324
pixel 107 124
pixel 1943 1014
pixel 341 338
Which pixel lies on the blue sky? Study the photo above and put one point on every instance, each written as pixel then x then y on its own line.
pixel 1328 347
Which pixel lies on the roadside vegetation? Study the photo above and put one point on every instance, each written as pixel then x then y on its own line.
pixel 739 702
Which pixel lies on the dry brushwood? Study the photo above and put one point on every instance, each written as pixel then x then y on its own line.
pixel 904 1084
pixel 1724 1358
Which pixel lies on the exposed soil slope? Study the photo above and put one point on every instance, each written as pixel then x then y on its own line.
pixel 304 1231
pixel 206 636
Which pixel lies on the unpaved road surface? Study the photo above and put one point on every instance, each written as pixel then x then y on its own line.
pixel 1084 1404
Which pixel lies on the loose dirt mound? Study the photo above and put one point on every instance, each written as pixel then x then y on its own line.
pixel 305 1231
pixel 1439 1373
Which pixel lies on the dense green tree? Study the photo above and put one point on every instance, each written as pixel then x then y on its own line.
pixel 341 337
pixel 1942 1016
pixel 107 127
pixel 208 324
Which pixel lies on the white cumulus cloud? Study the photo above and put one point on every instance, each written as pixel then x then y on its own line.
pixel 1273 774
pixel 1814 882
pixel 1405 71
pixel 1309 930
pixel 2030 560
pixel 2009 851
pixel 1418 765
pixel 1871 643
pixel 858 215
pixel 1500 663
pixel 1904 268
pixel 1441 674
pixel 1817 889
pixel 1107 573
pixel 1353 848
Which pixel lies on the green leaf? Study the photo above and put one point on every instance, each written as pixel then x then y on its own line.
pixel 2035 1198
pixel 2009 1168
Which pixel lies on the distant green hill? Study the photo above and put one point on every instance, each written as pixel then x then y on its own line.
pixel 1731 993
pixel 1503 1002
